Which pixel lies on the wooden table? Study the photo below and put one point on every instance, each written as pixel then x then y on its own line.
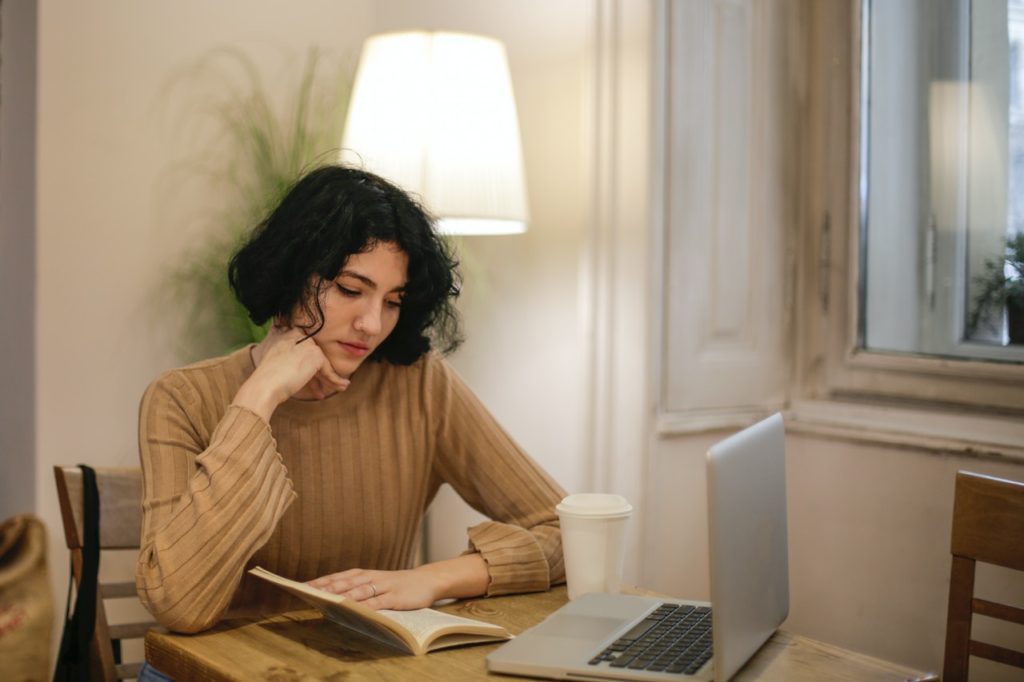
pixel 301 646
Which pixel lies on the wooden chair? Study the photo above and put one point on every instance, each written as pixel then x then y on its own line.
pixel 120 495
pixel 988 526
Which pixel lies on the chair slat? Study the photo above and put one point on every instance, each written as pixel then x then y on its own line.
pixel 118 590
pixel 1001 611
pixel 120 505
pixel 129 630
pixel 994 652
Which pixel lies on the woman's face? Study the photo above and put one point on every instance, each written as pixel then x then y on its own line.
pixel 361 306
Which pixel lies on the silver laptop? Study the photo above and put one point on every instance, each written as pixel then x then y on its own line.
pixel 625 637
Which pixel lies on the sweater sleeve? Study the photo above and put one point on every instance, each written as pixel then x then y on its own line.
pixel 522 544
pixel 207 507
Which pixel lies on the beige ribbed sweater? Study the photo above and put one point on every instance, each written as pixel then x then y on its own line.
pixel 326 486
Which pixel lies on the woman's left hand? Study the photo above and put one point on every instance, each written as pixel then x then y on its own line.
pixel 464 576
pixel 398 590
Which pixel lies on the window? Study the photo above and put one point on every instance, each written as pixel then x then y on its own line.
pixel 886 259
pixel 941 178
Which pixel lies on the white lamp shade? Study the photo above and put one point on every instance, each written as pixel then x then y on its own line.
pixel 434 113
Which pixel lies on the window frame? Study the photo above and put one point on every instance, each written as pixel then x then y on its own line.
pixel 937 317
pixel 831 364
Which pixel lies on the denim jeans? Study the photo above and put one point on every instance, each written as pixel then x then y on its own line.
pixel 151 674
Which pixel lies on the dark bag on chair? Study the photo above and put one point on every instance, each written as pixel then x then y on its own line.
pixel 73 660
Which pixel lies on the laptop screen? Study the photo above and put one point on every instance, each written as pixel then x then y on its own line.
pixel 748 541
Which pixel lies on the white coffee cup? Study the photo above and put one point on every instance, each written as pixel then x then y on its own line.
pixel 593 541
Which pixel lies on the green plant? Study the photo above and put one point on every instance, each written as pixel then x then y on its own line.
pixel 266 154
pixel 997 290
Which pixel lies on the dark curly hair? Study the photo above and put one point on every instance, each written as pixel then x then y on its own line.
pixel 330 214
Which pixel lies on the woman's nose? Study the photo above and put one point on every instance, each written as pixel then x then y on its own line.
pixel 369 321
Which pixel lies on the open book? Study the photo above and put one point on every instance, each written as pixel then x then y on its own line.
pixel 416 632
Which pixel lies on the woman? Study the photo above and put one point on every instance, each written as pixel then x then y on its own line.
pixel 315 452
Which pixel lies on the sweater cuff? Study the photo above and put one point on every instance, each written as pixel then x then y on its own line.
pixel 515 561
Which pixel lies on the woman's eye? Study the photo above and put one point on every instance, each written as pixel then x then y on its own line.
pixel 348 292
pixel 394 304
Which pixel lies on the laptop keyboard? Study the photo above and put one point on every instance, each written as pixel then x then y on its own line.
pixel 672 639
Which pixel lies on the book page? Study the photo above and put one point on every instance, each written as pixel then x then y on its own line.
pixel 427 625
pixel 460 638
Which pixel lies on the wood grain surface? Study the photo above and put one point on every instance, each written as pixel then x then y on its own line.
pixel 301 646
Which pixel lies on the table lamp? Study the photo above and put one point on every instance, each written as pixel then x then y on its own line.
pixel 434 113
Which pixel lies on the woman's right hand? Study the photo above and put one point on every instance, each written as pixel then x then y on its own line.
pixel 286 362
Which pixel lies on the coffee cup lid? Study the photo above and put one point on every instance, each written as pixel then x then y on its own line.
pixel 595 504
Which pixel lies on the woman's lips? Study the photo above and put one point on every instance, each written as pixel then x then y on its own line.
pixel 355 349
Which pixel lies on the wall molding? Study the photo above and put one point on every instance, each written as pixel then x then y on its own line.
pixel 617 287
pixel 669 424
pixel 898 426
pixel 944 432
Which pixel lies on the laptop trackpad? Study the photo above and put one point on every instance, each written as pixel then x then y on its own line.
pixel 594 628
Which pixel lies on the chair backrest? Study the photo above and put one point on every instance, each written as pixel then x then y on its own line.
pixel 120 495
pixel 988 526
